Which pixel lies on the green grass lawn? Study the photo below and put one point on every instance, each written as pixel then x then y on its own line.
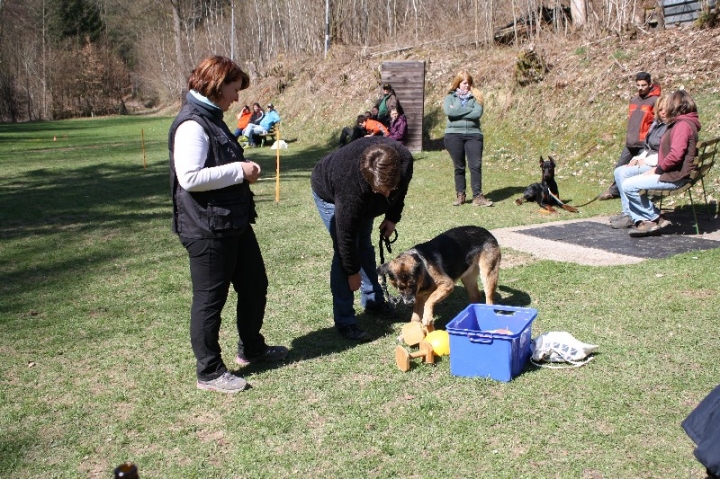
pixel 96 366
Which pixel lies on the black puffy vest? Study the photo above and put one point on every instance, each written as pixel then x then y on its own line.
pixel 216 213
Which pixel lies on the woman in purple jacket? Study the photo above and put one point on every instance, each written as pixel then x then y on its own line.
pixel 398 126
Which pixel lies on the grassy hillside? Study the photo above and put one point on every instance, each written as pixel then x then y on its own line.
pixel 576 112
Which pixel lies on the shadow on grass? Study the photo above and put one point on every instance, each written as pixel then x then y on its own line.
pixel 326 341
pixel 65 212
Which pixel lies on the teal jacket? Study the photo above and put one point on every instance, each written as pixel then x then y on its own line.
pixel 462 119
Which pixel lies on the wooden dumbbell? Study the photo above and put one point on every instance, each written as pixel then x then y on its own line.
pixel 413 332
pixel 403 357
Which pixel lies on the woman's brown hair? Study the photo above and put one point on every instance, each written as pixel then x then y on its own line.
pixel 380 166
pixel 212 73
pixel 680 103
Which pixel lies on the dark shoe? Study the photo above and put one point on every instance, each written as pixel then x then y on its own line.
pixel 480 200
pixel 271 354
pixel 622 223
pixel 648 228
pixel 385 311
pixel 606 195
pixel 227 383
pixel 353 333
pixel 460 200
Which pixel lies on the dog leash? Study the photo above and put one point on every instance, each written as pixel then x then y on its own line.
pixel 578 206
pixel 594 199
pixel 383 244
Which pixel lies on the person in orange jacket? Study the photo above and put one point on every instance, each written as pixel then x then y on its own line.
pixel 372 127
pixel 641 114
pixel 243 118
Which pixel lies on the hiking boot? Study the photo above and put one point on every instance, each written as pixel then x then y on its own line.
pixel 622 223
pixel 460 200
pixel 227 383
pixel 615 218
pixel 272 354
pixel 607 195
pixel 647 228
pixel 354 333
pixel 384 311
pixel 480 200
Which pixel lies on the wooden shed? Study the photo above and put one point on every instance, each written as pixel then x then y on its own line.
pixel 677 12
pixel 407 78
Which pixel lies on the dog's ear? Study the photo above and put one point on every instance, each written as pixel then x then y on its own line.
pixel 383 268
pixel 552 160
pixel 542 160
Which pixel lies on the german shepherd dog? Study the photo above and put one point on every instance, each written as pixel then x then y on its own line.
pixel 546 192
pixel 427 273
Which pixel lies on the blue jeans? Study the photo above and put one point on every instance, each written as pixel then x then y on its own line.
pixel 630 180
pixel 251 130
pixel 371 294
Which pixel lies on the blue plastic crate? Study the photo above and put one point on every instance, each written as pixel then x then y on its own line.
pixel 477 351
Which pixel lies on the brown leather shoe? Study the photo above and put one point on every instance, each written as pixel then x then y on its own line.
pixel 460 199
pixel 480 200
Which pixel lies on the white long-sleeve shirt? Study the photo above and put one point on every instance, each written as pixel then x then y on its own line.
pixel 191 149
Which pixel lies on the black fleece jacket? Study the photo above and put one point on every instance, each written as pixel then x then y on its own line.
pixel 337 180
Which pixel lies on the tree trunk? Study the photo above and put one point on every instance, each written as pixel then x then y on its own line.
pixel 177 35
pixel 578 12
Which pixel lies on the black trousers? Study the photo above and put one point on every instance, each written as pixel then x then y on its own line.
pixel 461 147
pixel 215 264
pixel 351 134
pixel 625 157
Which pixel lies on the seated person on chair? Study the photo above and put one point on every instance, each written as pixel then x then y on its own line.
pixel 243 118
pixel 676 154
pixel 269 120
pixel 371 127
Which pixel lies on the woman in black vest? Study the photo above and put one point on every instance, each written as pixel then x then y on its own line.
pixel 213 209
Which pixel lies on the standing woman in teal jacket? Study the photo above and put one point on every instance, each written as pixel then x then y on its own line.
pixel 463 137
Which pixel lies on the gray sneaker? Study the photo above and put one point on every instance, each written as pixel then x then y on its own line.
pixel 614 218
pixel 227 383
pixel 622 223
pixel 271 354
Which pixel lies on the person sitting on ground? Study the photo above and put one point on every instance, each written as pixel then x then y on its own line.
pixel 386 103
pixel 371 127
pixel 350 134
pixel 640 117
pixel 243 118
pixel 676 155
pixel 645 160
pixel 269 120
pixel 398 126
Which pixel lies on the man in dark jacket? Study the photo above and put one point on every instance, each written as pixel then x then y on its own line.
pixel 351 186
pixel 641 114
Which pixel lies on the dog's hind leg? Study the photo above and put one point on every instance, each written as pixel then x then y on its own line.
pixel 489 262
pixel 470 281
